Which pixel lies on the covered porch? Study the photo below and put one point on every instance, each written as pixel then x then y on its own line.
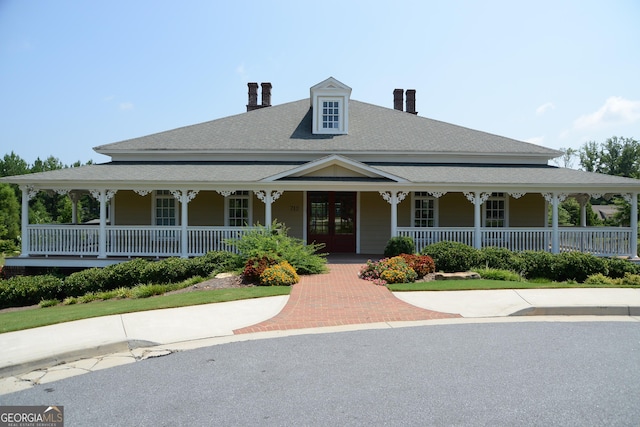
pixel 105 243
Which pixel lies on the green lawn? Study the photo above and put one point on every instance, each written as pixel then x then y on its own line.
pixel 32 318
pixel 480 284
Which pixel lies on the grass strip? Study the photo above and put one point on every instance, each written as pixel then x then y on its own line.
pixel 482 284
pixel 33 318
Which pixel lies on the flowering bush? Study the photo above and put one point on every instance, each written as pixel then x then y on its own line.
pixel 421 264
pixel 254 268
pixel 282 274
pixel 388 270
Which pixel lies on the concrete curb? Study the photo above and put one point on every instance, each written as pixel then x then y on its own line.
pixel 579 311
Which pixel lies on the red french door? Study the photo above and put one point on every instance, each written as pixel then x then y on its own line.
pixel 331 219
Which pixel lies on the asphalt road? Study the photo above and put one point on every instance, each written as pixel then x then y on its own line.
pixel 500 374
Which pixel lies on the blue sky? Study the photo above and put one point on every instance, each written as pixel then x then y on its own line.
pixel 77 74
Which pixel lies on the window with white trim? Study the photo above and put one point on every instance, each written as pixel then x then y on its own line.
pixel 238 209
pixel 495 211
pixel 330 114
pixel 165 212
pixel 424 212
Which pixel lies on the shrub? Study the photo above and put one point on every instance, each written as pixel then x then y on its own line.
pixel 600 279
pixel 399 245
pixel 577 266
pixel 89 280
pixel 392 270
pixel 214 262
pixel 499 258
pixel 282 274
pixel 452 256
pixel 127 274
pixel 29 290
pixel 498 274
pixel 70 301
pixel 618 267
pixel 254 268
pixel 273 242
pixel 421 264
pixel 631 279
pixel 48 303
pixel 538 264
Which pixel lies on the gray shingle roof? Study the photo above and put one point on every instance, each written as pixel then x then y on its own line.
pixel 209 174
pixel 287 128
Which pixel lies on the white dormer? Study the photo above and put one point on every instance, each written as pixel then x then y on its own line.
pixel 330 104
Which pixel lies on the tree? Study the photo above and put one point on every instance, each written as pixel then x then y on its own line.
pixel 9 214
pixel 567 160
pixel 617 156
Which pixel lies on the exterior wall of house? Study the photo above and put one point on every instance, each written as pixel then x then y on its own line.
pixel 289 210
pixel 527 211
pixel 375 223
pixel 132 208
pixel 206 209
pixel 455 211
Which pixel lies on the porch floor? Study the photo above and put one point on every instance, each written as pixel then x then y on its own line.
pixel 341 298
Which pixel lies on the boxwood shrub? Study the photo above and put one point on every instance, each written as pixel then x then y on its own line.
pixel 452 256
pixel 29 290
pixel 399 245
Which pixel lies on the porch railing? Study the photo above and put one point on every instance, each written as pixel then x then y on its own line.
pixel 602 241
pixel 127 241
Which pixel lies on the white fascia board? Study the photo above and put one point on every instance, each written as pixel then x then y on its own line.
pixel 331 160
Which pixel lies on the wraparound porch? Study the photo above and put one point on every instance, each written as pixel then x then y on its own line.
pixel 86 241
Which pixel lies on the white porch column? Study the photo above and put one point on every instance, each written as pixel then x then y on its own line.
pixel 477 198
pixel 268 197
pixel 634 226
pixel 27 194
pixel 582 200
pixel 103 196
pixel 554 199
pixel 393 198
pixel 184 197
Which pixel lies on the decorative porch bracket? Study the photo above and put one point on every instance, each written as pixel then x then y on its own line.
pixel 477 198
pixel 393 198
pixel 268 197
pixel 103 196
pixel 184 197
pixel 28 193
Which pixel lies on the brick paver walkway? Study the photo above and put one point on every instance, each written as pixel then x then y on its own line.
pixel 341 298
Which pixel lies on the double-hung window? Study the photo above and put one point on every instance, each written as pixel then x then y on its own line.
pixel 330 114
pixel 165 208
pixel 424 210
pixel 238 209
pixel 495 211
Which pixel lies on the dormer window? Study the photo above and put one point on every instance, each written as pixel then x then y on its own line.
pixel 330 114
pixel 330 105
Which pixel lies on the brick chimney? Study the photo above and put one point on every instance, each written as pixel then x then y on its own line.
pixel 266 94
pixel 253 96
pixel 398 97
pixel 411 101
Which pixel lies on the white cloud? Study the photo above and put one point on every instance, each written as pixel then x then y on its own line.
pixel 126 106
pixel 241 71
pixel 545 107
pixel 615 111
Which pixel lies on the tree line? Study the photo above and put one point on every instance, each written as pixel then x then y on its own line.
pixel 617 156
pixel 47 207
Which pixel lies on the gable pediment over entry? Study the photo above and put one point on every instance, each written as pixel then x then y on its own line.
pixel 335 166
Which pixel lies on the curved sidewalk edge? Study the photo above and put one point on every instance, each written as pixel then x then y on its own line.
pixel 529 302
pixel 36 348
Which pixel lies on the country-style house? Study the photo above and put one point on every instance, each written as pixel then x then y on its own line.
pixel 333 170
